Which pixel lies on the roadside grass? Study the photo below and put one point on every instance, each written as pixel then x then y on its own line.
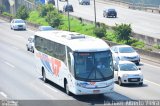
pixel 77 26
pixel 35 18
pixel 84 28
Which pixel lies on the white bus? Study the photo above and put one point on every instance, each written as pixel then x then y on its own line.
pixel 79 63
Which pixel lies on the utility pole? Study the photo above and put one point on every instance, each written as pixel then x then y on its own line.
pixel 12 6
pixel 57 6
pixel 95 14
pixel 68 16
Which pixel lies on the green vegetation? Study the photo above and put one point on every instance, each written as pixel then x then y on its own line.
pixel 2 8
pixel 77 26
pixel 100 31
pixel 22 13
pixel 48 15
pixel 7 14
pixel 35 18
pixel 123 32
pixel 157 46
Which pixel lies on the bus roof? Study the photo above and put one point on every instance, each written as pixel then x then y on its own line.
pixel 76 41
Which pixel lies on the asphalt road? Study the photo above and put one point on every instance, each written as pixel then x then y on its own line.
pixel 141 22
pixel 19 80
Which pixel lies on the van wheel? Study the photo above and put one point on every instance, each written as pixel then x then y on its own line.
pixel 44 76
pixel 67 88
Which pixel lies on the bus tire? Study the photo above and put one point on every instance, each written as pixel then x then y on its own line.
pixel 66 88
pixel 44 75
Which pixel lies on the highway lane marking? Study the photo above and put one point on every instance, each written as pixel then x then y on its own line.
pixel 151 65
pixel 20 37
pixel 9 64
pixel 14 47
pixel 50 88
pixel 3 94
pixel 152 82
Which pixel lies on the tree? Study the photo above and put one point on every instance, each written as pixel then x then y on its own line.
pixel 44 9
pixel 22 13
pixel 2 8
pixel 100 31
pixel 123 32
pixel 54 18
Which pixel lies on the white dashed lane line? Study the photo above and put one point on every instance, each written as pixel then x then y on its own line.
pixel 9 64
pixel 50 88
pixel 3 94
pixel 152 82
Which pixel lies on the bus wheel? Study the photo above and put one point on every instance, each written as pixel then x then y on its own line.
pixel 67 88
pixel 44 76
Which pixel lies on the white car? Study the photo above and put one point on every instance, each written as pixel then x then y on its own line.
pixel 127 72
pixel 18 24
pixel 125 52
pixel 30 44
pixel 84 2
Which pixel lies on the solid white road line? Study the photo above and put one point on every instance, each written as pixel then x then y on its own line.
pixel 152 82
pixel 151 65
pixel 3 94
pixel 50 88
pixel 9 64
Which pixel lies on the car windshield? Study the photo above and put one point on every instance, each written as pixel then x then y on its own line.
pixel 19 21
pixel 126 50
pixel 128 67
pixel 69 6
pixel 93 66
pixel 46 28
pixel 111 9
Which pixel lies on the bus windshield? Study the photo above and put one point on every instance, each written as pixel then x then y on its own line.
pixel 93 66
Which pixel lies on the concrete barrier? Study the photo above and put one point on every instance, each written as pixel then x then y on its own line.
pixel 147 39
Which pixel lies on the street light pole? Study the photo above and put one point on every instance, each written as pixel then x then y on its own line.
pixel 95 13
pixel 57 6
pixel 68 17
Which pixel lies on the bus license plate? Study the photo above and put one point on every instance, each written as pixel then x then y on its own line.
pixel 96 91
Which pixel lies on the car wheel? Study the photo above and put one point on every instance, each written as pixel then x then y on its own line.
pixel 137 63
pixel 32 50
pixel 103 15
pixel 120 82
pixel 27 49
